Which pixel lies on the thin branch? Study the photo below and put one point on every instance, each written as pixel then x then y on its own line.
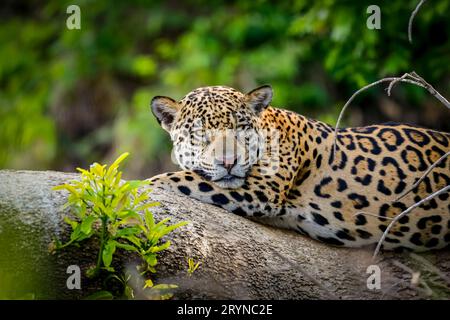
pixel 405 212
pixel 390 79
pixel 394 82
pixel 430 89
pixel 411 77
pixel 413 15
pixel 430 168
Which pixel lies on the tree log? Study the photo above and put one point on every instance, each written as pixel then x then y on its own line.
pixel 240 258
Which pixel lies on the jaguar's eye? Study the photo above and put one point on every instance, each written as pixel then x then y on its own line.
pixel 201 136
pixel 197 134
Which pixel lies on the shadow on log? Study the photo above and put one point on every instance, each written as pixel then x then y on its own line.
pixel 241 259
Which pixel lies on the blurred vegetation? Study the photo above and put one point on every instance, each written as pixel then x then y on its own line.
pixel 72 97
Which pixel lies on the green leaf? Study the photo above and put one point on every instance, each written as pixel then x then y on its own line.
pixel 127 247
pixel 83 236
pixel 162 222
pixel 108 251
pixel 148 283
pixel 109 269
pixel 98 169
pixel 128 231
pixel 134 240
pixel 114 277
pixel 116 163
pixel 147 205
pixel 164 286
pixel 101 206
pixel 151 269
pixel 75 233
pixel 133 184
pixel 142 197
pixel 120 201
pixel 160 248
pixel 70 222
pixel 128 292
pixel 86 224
pixel 117 179
pixel 129 214
pixel 100 295
pixel 67 187
pixel 149 220
pixel 166 296
pixel 151 259
pixel 173 227
pixel 85 173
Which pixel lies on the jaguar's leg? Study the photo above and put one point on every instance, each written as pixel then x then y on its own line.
pixel 241 201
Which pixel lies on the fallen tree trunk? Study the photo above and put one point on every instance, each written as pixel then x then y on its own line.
pixel 240 259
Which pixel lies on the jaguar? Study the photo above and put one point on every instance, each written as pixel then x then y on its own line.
pixel 238 152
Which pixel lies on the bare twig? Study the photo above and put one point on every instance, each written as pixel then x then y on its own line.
pixel 413 15
pixel 430 89
pixel 411 77
pixel 390 79
pixel 394 82
pixel 430 168
pixel 405 212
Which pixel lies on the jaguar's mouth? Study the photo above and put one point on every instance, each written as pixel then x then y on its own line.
pixel 230 181
pixel 227 178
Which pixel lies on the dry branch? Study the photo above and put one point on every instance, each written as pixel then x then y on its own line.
pixel 411 19
pixel 238 255
pixel 427 172
pixel 412 78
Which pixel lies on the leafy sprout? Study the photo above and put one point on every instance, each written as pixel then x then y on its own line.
pixel 192 266
pixel 117 212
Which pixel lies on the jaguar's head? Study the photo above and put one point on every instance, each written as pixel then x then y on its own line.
pixel 216 131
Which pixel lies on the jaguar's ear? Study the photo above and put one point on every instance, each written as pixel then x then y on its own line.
pixel 259 99
pixel 165 110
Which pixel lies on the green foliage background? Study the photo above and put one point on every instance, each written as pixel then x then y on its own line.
pixel 72 97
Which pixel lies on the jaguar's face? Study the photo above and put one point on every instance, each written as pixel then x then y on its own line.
pixel 215 131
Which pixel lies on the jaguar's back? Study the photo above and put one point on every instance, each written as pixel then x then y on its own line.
pixel 352 198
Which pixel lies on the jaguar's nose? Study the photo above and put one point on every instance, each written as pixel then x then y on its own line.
pixel 228 162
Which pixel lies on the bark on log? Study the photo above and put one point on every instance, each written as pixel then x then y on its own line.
pixel 241 259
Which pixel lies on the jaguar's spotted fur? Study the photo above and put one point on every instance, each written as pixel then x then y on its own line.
pixel 345 201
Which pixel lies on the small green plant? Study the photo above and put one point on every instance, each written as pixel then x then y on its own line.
pixel 159 291
pixel 118 214
pixel 192 266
